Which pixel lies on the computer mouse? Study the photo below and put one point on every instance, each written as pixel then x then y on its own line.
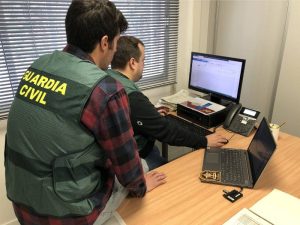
pixel 225 141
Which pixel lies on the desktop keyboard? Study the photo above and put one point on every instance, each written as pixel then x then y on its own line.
pixel 190 126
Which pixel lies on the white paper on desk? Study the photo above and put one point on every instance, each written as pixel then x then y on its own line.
pixel 213 106
pixel 172 100
pixel 180 96
pixel 246 217
pixel 203 106
pixel 279 208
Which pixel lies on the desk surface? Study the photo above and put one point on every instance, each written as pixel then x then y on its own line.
pixel 185 200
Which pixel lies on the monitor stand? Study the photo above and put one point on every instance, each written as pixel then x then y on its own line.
pixel 217 100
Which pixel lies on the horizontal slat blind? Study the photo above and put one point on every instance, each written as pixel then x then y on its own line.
pixel 156 24
pixel 29 29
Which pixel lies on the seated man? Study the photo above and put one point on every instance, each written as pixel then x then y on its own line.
pixel 148 124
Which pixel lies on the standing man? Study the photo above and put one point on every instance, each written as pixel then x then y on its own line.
pixel 148 124
pixel 70 155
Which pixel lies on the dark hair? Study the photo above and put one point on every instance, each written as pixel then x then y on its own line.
pixel 87 21
pixel 127 48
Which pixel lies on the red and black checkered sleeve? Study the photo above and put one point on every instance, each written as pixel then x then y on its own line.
pixel 107 116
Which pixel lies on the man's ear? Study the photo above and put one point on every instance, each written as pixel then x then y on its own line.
pixel 104 44
pixel 131 63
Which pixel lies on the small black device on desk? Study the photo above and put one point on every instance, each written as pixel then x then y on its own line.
pixel 241 120
pixel 233 195
pixel 202 119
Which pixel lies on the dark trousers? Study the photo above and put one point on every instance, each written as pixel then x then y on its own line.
pixel 154 159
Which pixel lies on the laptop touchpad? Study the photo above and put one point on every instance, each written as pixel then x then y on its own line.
pixel 212 158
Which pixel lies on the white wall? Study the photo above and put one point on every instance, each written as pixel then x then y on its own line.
pixel 253 30
pixel 286 106
pixel 185 39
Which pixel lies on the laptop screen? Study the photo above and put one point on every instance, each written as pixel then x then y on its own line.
pixel 261 149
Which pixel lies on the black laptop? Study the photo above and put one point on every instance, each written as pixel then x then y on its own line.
pixel 237 167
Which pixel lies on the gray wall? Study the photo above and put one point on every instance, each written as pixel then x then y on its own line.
pixel 253 30
pixel 286 106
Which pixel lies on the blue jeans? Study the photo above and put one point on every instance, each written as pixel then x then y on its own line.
pixel 154 159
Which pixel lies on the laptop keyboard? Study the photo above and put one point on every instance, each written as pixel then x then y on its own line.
pixel 190 126
pixel 232 166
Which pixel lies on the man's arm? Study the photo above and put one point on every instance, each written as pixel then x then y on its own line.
pixel 106 115
pixel 148 122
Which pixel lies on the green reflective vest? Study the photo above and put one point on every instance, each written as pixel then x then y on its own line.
pixel 51 161
pixel 130 87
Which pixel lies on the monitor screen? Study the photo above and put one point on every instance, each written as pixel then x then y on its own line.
pixel 219 76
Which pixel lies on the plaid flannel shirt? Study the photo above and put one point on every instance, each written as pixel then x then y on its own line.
pixel 106 115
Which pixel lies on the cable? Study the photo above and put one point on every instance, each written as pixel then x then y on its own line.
pixel 215 128
pixel 231 137
pixel 241 189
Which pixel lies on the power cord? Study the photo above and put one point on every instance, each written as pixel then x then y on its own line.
pixel 231 136
pixel 215 128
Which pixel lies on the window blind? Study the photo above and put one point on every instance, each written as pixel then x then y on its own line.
pixel 29 29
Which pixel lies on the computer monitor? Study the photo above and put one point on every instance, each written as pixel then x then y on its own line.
pixel 218 76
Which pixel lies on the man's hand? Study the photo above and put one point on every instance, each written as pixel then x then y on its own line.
pixel 216 140
pixel 154 179
pixel 163 110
